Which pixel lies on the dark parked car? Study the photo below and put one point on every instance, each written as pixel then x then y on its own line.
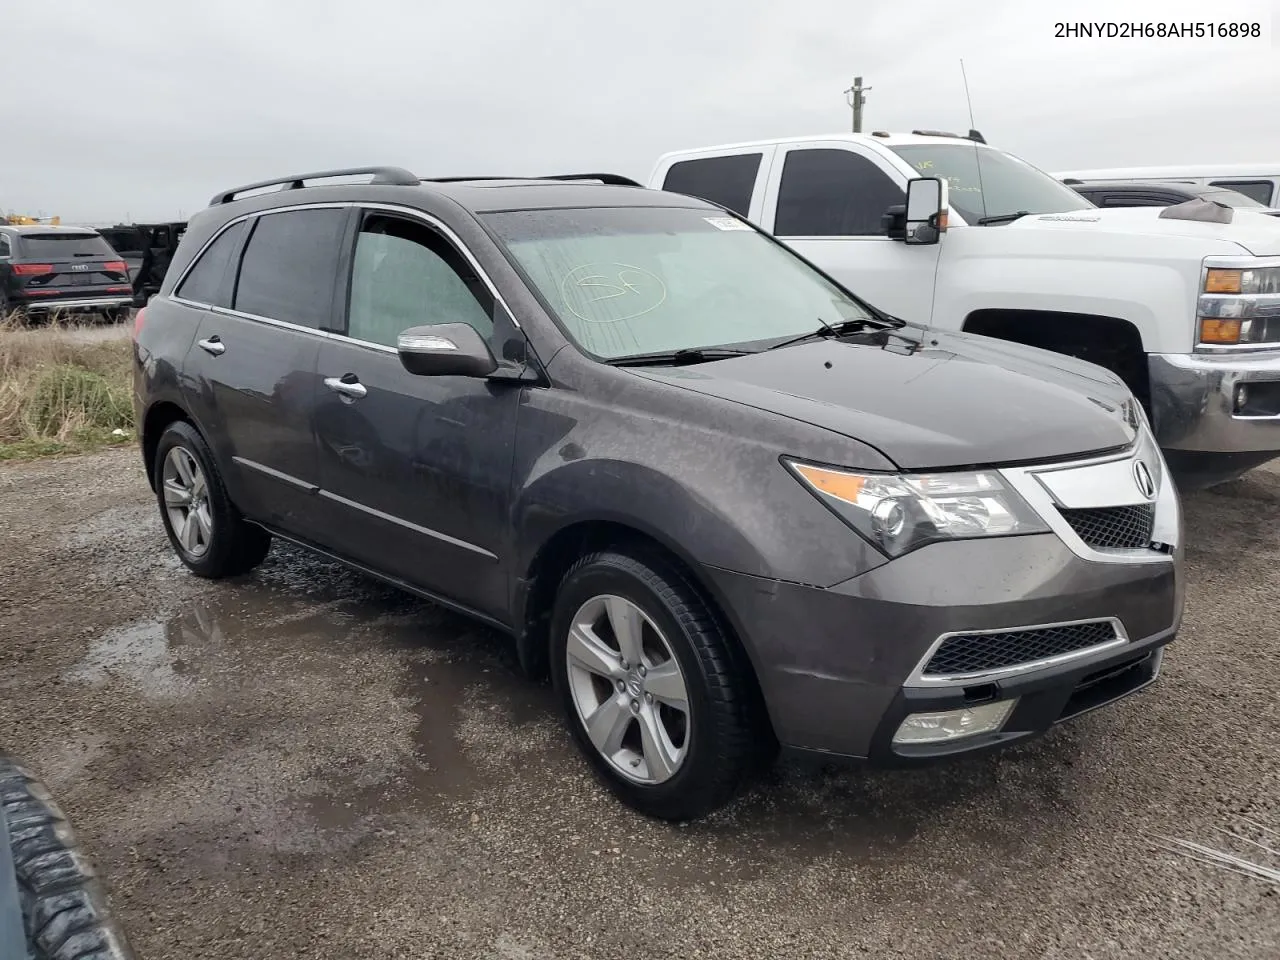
pixel 147 249
pixel 1156 193
pixel 721 501
pixel 45 270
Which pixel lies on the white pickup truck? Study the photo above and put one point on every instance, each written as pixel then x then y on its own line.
pixel 947 231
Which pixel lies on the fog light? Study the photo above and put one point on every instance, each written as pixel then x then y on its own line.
pixel 953 724
pixel 1242 398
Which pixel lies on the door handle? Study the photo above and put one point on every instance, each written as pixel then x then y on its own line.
pixel 352 388
pixel 213 345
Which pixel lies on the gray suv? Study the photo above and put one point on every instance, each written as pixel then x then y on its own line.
pixel 724 504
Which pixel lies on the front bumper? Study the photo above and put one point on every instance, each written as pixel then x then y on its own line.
pixel 1194 409
pixel 840 667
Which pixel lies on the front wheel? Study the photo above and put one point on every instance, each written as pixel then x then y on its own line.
pixel 657 696
pixel 204 527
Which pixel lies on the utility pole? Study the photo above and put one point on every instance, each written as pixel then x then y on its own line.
pixel 856 97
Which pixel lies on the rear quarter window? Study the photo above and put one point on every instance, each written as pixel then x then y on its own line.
pixel 63 246
pixel 212 279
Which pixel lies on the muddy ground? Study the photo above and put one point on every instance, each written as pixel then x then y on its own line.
pixel 307 764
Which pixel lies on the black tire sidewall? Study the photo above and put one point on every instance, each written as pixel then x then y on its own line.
pixel 223 513
pixel 608 574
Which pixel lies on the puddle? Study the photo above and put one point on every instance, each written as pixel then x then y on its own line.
pixel 138 654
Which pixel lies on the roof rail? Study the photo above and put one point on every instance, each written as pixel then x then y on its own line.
pixel 1071 181
pixel 382 175
pixel 612 179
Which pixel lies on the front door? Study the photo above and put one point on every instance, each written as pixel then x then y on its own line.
pixel 415 471
pixel 825 200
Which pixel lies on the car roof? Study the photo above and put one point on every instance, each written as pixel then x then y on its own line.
pixel 1235 171
pixel 487 196
pixel 1136 186
pixel 881 138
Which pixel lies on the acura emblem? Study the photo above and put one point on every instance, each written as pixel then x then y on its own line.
pixel 1142 476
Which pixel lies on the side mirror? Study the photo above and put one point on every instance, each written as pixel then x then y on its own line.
pixel 445 350
pixel 926 210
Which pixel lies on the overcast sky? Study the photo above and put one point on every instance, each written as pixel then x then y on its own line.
pixel 144 108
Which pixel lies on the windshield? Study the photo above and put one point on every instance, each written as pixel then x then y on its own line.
pixel 1007 184
pixel 54 246
pixel 624 281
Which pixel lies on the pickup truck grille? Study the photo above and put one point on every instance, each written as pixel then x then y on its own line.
pixel 1114 528
pixel 982 652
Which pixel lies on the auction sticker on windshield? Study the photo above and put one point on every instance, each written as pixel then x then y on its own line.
pixel 726 223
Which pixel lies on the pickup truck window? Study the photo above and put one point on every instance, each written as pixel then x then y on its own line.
pixel 1004 184
pixel 636 280
pixel 728 181
pixel 833 193
pixel 1258 190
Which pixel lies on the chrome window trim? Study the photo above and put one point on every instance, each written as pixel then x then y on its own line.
pixel 431 221
pixel 1167 525
pixel 918 678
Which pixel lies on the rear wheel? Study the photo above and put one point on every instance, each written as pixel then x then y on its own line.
pixel 204 527
pixel 655 693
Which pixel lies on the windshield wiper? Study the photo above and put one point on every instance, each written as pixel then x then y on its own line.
pixel 677 358
pixel 1004 218
pixel 884 322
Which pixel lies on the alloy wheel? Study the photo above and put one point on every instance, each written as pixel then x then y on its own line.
pixel 186 501
pixel 628 689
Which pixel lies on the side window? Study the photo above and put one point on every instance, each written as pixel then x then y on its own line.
pixel 4 246
pixel 833 193
pixel 290 265
pixel 1259 190
pixel 728 181
pixel 213 276
pixel 404 275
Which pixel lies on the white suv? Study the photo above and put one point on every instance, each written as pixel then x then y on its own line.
pixel 1186 312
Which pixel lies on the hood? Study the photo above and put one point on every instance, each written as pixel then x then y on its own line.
pixel 1256 232
pixel 927 399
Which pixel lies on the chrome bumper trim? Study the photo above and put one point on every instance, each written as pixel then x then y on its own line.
pixel 919 678
pixel 1193 401
pixel 101 302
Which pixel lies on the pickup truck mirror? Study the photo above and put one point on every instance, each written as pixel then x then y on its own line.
pixel 445 349
pixel 923 219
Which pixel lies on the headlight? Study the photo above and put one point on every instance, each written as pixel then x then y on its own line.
pixel 1240 306
pixel 1257 280
pixel 901 512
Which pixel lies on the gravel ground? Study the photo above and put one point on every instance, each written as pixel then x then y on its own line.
pixel 307 764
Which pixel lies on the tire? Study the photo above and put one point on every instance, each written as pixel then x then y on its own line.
pixel 719 743
pixel 64 907
pixel 223 543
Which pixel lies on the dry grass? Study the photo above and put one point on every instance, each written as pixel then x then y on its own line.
pixel 60 393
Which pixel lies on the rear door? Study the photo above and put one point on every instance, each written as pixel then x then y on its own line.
pixel 415 471
pixel 68 265
pixel 267 287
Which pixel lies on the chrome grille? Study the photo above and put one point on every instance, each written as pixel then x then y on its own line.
pixel 1114 528
pixel 982 652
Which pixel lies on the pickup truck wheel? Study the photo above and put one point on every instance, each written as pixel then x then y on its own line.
pixel 204 527
pixel 63 906
pixel 652 688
